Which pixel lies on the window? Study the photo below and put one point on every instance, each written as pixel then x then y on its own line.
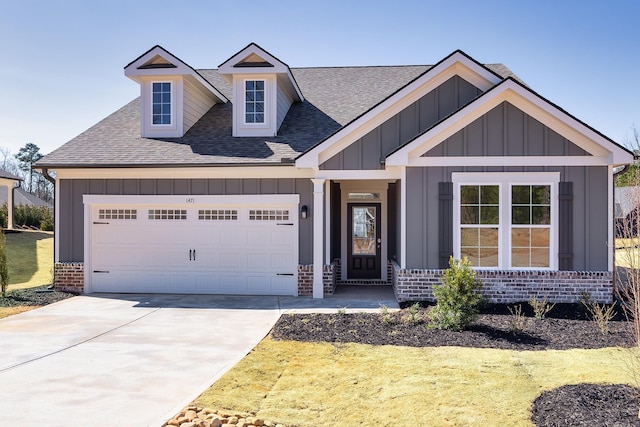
pixel 170 214
pixel 254 101
pixel 506 220
pixel 268 215
pixel 217 214
pixel 480 224
pixel 530 225
pixel 161 103
pixel 117 214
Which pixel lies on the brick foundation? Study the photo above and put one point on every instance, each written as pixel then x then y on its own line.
pixel 511 286
pixel 69 277
pixel 305 279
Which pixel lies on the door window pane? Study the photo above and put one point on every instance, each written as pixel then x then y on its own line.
pixel 364 230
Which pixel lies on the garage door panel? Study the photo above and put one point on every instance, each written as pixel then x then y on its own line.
pixel 207 250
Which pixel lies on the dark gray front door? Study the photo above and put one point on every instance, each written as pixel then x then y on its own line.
pixel 363 242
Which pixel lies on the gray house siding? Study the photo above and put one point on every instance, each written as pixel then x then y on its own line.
pixel 368 151
pixel 71 214
pixel 590 224
pixel 506 131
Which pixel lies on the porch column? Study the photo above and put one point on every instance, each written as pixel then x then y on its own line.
pixel 10 206
pixel 318 237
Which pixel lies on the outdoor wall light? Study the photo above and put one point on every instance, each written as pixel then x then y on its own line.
pixel 304 211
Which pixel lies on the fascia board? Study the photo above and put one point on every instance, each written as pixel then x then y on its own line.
pixel 279 67
pixel 181 69
pixel 528 102
pixel 456 64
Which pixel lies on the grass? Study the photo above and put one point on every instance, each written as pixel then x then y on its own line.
pixel 324 384
pixel 30 260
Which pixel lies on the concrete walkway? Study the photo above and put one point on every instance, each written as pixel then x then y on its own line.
pixel 136 360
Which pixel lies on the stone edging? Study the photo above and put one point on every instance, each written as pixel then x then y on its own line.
pixel 195 416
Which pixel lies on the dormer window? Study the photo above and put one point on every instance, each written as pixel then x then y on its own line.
pixel 161 103
pixel 254 101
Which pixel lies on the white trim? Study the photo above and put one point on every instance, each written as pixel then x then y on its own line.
pixel 236 200
pixel 172 103
pixel 392 173
pixel 456 64
pixel 505 180
pixel 327 221
pixel 510 161
pixel 264 123
pixel 56 222
pixel 276 171
pixel 318 237
pixel 181 69
pixel 531 104
pixel 88 244
pixel 403 219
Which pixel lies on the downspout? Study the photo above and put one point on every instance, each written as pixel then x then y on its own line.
pixel 45 173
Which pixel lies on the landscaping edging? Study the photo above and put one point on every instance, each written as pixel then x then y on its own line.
pixel 195 416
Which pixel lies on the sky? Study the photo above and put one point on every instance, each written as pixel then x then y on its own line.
pixel 62 62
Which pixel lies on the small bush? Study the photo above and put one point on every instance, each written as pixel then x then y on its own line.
pixel 385 314
pixel 33 216
pixel 413 313
pixel 517 318
pixel 540 307
pixel 4 216
pixel 600 314
pixel 458 298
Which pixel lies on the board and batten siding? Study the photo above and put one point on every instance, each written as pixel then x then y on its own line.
pixel 196 104
pixel 506 131
pixel 71 213
pixel 590 210
pixel 368 151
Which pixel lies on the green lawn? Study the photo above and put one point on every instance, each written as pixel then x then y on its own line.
pixel 321 384
pixel 30 259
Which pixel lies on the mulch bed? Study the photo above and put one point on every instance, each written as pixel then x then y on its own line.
pixel 37 296
pixel 587 405
pixel 567 326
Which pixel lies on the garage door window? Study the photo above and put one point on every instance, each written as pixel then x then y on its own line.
pixel 117 214
pixel 170 214
pixel 217 214
pixel 268 215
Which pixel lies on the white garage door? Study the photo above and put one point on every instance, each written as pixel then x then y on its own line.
pixel 195 248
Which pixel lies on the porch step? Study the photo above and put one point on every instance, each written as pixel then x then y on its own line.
pixel 363 282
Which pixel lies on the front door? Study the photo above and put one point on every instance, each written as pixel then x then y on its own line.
pixel 364 242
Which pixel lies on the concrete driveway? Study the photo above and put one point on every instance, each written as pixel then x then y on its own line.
pixel 132 360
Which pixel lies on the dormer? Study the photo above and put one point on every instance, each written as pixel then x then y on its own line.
pixel 263 91
pixel 173 96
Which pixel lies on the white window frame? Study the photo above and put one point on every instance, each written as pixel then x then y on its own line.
pixel 172 124
pixel 264 121
pixel 505 180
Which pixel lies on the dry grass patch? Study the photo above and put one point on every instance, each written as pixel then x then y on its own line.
pixel 30 259
pixel 10 311
pixel 322 384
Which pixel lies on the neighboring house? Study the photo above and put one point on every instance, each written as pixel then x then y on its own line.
pixel 627 201
pixel 8 193
pixel 258 178
pixel 23 197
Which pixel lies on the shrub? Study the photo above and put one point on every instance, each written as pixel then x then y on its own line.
pixel 4 216
pixel 600 314
pixel 540 307
pixel 413 313
pixel 458 298
pixel 33 216
pixel 517 319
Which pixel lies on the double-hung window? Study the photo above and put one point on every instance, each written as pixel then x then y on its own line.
pixel 161 103
pixel 254 101
pixel 506 220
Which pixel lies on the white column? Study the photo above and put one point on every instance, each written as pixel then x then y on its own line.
pixel 318 236
pixel 403 219
pixel 10 206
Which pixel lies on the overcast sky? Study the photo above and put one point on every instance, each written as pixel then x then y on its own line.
pixel 61 62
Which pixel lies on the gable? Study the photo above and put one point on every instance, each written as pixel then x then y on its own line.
pixel 456 64
pixel 601 150
pixel 368 151
pixel 506 131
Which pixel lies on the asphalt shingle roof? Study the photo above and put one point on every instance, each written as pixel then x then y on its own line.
pixel 7 175
pixel 333 97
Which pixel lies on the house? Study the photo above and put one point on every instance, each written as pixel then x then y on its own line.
pixel 7 193
pixel 257 178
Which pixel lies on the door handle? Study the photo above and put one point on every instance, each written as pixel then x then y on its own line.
pixel 190 254
pixel 194 254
